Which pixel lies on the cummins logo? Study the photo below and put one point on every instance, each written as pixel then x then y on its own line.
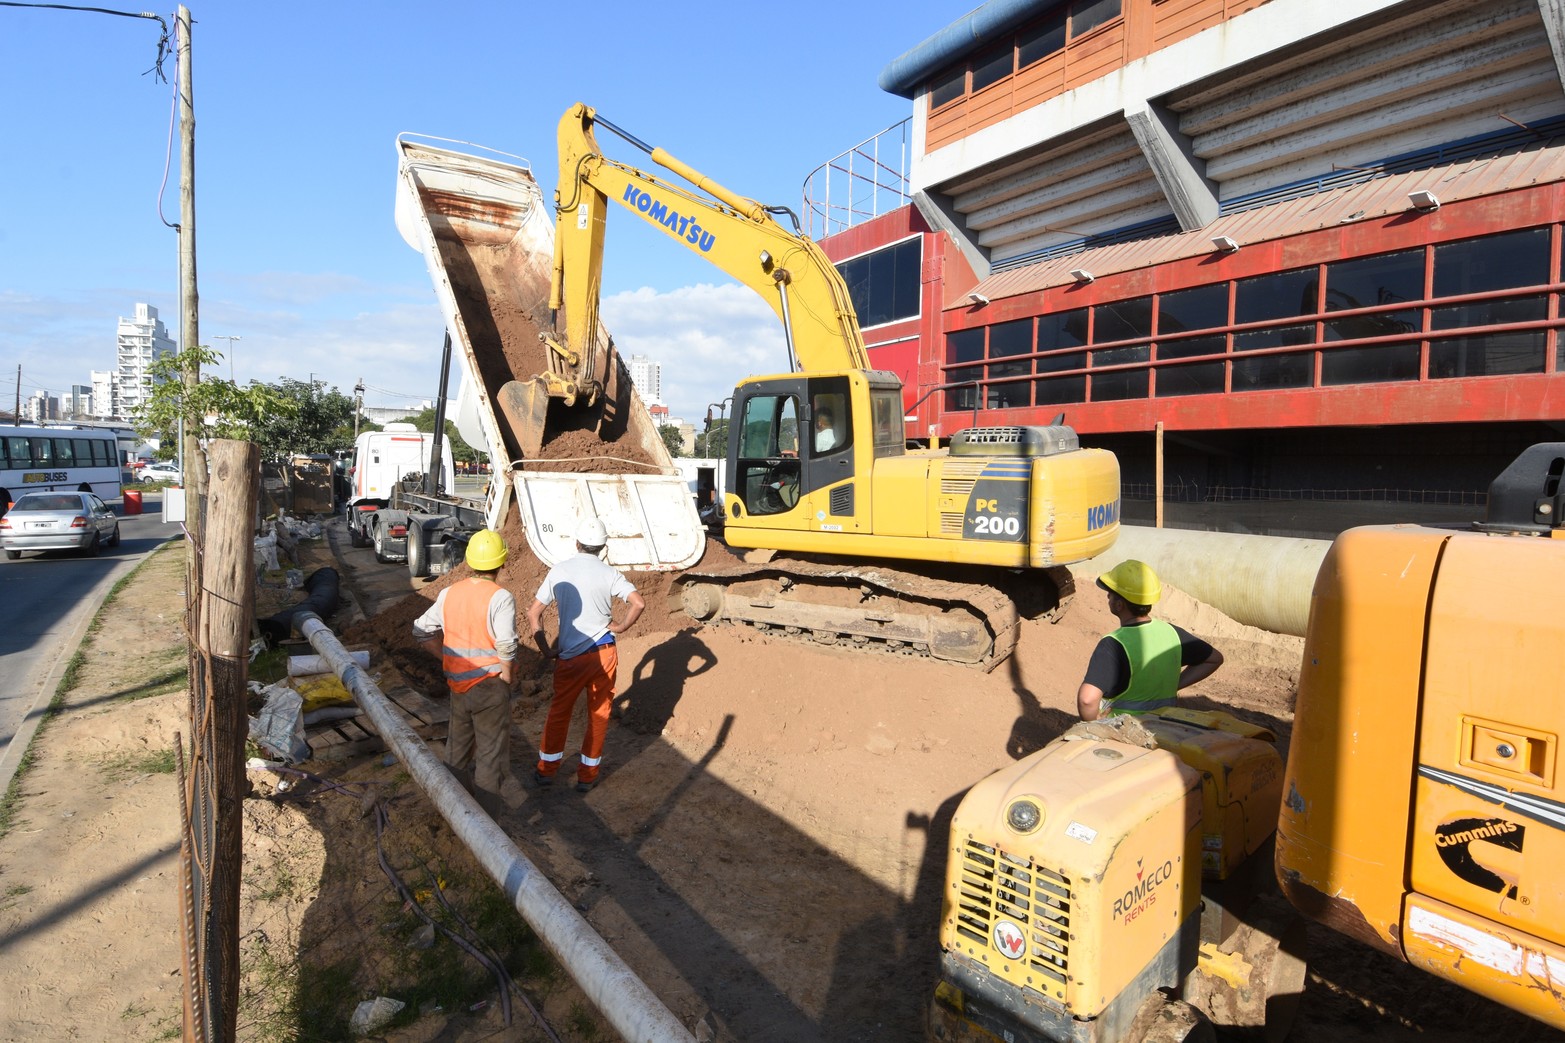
pixel 1454 841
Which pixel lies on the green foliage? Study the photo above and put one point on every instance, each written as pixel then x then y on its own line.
pixel 460 450
pixel 673 439
pixel 714 440
pixel 216 408
pixel 315 420
pixel 291 416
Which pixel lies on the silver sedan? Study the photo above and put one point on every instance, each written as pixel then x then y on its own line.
pixel 58 521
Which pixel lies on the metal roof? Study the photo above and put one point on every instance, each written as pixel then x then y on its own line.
pixel 1470 178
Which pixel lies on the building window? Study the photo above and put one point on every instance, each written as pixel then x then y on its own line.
pixel 1278 295
pixel 1121 384
pixel 1371 365
pixel 1363 320
pixel 1087 15
pixel 1489 355
pixel 884 285
pixel 948 88
pixel 964 346
pixel 1031 44
pixel 993 67
pixel 1037 42
pixel 1006 340
pixel 1494 262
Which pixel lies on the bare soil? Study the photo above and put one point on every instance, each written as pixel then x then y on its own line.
pixel 765 849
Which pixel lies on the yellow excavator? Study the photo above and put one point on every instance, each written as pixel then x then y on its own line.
pixel 935 552
pixel 1119 885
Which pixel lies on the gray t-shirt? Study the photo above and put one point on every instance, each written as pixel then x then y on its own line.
pixel 584 588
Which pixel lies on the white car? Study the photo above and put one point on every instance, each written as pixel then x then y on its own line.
pixel 161 472
pixel 58 521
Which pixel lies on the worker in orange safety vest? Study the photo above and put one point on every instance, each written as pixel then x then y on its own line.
pixel 472 627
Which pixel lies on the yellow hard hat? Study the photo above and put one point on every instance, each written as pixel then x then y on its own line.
pixel 486 550
pixel 1134 581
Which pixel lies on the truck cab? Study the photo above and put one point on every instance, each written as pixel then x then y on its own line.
pixel 384 460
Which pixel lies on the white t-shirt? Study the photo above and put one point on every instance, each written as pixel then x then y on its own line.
pixel 584 588
pixel 825 441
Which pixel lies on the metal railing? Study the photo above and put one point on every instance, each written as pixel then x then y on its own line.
pixel 859 185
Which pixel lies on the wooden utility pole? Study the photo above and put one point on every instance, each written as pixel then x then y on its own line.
pixel 195 477
pixel 227 610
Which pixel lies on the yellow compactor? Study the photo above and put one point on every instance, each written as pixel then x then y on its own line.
pixel 1108 889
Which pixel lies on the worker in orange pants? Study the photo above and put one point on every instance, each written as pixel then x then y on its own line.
pixel 583 588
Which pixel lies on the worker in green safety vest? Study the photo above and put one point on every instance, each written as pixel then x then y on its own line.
pixel 1140 666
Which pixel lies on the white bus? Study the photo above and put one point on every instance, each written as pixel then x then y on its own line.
pixel 61 457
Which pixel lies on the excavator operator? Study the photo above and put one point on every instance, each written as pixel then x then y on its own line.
pixel 1143 664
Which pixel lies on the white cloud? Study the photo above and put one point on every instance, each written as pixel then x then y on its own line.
pixel 707 338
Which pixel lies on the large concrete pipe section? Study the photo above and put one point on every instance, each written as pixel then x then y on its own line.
pixel 1261 581
pixel 624 999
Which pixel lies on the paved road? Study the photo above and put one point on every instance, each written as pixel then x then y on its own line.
pixel 46 601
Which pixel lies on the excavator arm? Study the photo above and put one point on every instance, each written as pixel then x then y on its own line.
pixel 737 234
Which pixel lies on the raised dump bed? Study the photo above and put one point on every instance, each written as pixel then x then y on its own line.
pixel 485 231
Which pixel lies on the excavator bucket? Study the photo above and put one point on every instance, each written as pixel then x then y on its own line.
pixel 525 408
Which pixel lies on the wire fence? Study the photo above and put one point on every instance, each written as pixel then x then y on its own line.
pixel 198 823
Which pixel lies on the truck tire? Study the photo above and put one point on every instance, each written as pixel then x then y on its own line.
pixel 418 552
pixel 380 554
pixel 355 534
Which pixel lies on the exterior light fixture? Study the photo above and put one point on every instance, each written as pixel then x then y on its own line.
pixel 977 298
pixel 1225 244
pixel 1423 200
pixel 1082 276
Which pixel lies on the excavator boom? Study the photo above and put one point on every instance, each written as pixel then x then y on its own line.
pixel 737 234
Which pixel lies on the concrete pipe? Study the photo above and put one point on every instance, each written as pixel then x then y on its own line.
pixel 624 999
pixel 1261 581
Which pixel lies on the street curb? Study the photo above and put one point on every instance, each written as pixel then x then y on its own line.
pixel 80 619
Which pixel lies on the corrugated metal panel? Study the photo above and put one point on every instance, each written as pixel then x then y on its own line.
pixel 1371 200
pixel 1099 182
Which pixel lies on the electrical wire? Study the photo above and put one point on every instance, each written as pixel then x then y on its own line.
pixel 157 70
pixel 393 394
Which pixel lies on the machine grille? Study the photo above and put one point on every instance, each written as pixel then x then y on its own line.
pixel 996 884
pixel 842 500
pixel 957 479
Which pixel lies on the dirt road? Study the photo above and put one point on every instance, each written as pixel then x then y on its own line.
pixel 765 848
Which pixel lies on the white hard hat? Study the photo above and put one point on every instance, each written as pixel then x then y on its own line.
pixel 591 533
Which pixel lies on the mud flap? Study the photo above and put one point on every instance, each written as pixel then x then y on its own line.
pixel 525 406
pixel 651 519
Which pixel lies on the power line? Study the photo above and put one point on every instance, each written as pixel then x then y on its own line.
pixel 393 394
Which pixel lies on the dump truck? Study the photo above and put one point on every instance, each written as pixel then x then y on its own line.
pixel 1110 889
pixel 485 233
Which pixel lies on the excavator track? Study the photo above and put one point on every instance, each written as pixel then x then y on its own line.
pixel 968 616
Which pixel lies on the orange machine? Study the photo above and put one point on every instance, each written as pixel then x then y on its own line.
pixel 1421 810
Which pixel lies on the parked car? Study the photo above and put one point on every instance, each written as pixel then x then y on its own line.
pixel 58 521
pixel 161 472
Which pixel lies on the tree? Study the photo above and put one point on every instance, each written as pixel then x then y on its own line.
pixel 216 408
pixel 673 438
pixel 460 450
pixel 312 422
pixel 714 440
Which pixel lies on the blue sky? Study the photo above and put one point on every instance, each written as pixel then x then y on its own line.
pixel 297 108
